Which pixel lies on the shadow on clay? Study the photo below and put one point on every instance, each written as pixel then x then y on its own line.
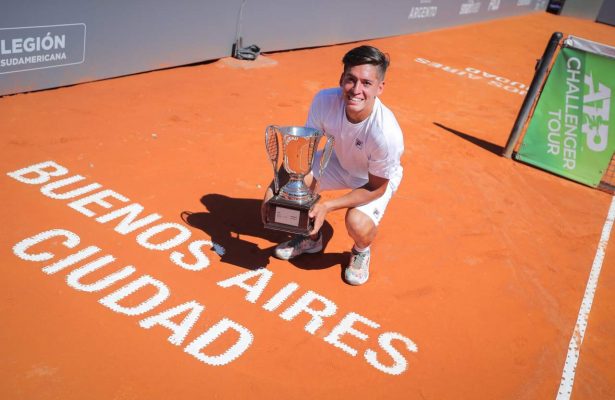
pixel 231 223
pixel 491 147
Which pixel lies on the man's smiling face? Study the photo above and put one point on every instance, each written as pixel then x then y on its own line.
pixel 361 85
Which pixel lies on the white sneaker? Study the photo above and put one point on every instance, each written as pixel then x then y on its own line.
pixel 298 245
pixel 357 272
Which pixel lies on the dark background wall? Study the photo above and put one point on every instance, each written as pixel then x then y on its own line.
pixel 606 14
pixel 596 10
pixel 587 9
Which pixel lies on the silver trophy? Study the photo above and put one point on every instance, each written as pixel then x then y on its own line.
pixel 288 210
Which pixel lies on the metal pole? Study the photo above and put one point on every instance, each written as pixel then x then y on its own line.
pixel 238 39
pixel 532 93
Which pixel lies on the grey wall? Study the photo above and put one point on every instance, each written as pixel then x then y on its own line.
pixel 587 9
pixel 51 43
pixel 606 15
pixel 277 25
pixel 121 37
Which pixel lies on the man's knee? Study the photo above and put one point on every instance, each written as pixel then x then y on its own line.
pixel 359 225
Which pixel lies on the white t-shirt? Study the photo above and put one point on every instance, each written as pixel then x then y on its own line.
pixel 374 145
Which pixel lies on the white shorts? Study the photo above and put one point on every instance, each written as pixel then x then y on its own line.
pixel 335 177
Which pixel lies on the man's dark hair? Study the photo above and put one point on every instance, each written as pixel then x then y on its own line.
pixel 367 55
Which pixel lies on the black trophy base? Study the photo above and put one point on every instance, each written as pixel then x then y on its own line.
pixel 288 216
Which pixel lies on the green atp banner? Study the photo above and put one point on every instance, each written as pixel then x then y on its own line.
pixel 572 131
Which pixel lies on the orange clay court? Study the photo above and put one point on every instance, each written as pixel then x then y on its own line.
pixel 477 274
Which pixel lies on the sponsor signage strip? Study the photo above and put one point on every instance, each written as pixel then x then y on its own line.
pixel 571 132
pixel 39 47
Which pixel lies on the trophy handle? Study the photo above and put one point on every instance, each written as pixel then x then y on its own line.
pixel 326 154
pixel 273 151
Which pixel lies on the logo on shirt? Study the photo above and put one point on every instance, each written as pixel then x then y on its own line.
pixel 376 213
pixel 358 143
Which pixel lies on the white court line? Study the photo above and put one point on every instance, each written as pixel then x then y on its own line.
pixel 572 358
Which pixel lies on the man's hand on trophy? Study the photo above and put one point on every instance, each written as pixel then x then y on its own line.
pixel 268 196
pixel 318 213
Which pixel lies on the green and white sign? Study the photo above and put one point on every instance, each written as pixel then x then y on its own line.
pixel 572 131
